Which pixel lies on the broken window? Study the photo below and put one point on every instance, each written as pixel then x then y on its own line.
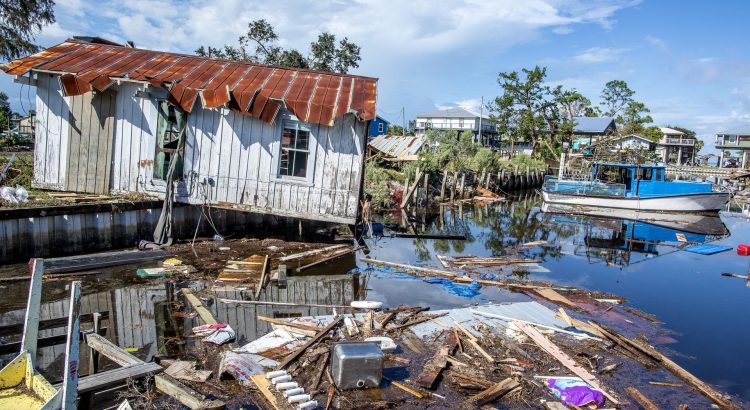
pixel 169 130
pixel 295 149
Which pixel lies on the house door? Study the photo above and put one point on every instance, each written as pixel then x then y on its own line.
pixel 90 142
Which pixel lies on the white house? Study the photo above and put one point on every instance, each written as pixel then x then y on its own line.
pixel 677 145
pixel 457 119
pixel 265 139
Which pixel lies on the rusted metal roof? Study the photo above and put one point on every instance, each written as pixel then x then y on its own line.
pixel 251 89
pixel 397 146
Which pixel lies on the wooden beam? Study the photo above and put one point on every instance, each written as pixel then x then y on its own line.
pixel 337 254
pixel 310 253
pixel 115 376
pixel 264 385
pixel 493 393
pixel 294 355
pixel 204 313
pixel 185 395
pixel 290 324
pixel 411 267
pixel 111 351
pixel 411 190
pixel 261 284
pixel 644 401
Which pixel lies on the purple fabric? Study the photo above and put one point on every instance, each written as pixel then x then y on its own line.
pixel 575 392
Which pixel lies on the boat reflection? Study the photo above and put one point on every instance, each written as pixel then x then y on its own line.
pixel 614 235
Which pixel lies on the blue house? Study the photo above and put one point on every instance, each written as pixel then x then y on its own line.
pixel 378 126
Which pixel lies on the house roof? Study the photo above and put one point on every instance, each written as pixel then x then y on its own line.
pixel 592 125
pixel 397 146
pixel 252 89
pixel 670 131
pixel 455 112
pixel 737 131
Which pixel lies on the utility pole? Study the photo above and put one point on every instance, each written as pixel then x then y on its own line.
pixel 403 121
pixel 481 111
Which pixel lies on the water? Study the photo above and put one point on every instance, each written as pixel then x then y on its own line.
pixel 639 260
pixel 634 259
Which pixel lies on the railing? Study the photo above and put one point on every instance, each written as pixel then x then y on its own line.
pixel 583 187
pixel 680 141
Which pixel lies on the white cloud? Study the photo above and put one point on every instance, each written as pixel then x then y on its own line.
pixel 471 104
pixel 599 55
pixel 657 42
pixel 562 30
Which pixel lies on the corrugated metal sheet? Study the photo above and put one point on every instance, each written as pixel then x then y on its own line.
pixel 397 146
pixel 252 89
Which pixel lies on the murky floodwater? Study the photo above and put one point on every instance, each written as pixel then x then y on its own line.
pixel 639 260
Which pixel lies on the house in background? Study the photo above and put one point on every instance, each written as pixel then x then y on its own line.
pixel 675 146
pixel 734 140
pixel 378 126
pixel 244 136
pixel 456 119
pixel 627 142
pixel 588 130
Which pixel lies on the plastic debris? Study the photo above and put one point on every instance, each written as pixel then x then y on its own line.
pixel 243 365
pixel 575 392
pixel 308 405
pixel 218 333
pixel 294 392
pixel 707 249
pixel 14 195
pixel 467 291
pixel 386 344
pixel 276 373
pixel 281 379
pixel 287 385
pixel 218 238
pixel 300 398
pixel 366 304
pixel 279 340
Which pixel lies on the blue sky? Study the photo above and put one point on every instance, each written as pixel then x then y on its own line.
pixel 689 61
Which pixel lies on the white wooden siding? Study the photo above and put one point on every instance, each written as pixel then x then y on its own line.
pixel 230 159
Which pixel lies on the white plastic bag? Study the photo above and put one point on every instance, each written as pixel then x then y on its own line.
pixel 9 194
pixel 22 195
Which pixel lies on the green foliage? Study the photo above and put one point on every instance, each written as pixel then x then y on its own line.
pixel 652 133
pixel 395 130
pixel 615 97
pixel 523 97
pixel 259 44
pixel 19 21
pixel 5 112
pixel 634 118
pixel 377 184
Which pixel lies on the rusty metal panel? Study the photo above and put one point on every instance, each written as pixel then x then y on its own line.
pixel 252 89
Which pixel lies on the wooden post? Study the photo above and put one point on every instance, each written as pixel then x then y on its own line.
pixel 442 186
pixel 281 278
pixel 426 189
pixel 454 182
pixel 406 189
pixel 93 354
pixel 463 183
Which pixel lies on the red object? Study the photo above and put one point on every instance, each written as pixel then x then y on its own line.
pixel 743 249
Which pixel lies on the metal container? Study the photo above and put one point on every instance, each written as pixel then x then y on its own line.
pixel 357 365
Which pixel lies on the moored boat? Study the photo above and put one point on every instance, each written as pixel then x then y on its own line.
pixel 634 187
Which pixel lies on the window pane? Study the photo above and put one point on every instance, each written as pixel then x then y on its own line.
pixel 284 162
pixel 303 138
pixel 299 167
pixel 287 138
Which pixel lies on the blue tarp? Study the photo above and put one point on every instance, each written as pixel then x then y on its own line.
pixel 467 291
pixel 707 249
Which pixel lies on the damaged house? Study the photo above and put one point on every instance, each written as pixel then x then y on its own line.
pixel 245 136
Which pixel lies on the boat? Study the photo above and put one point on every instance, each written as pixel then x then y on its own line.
pixel 634 187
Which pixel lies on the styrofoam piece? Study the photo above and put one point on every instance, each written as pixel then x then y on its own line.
pixel 294 392
pixel 300 398
pixel 386 344
pixel 286 386
pixel 277 373
pixel 280 379
pixel 366 304
pixel 312 404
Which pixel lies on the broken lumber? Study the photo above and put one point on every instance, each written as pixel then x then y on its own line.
pixel 639 397
pixel 185 395
pixel 415 322
pixel 262 282
pixel 289 324
pixel 411 267
pixel 264 385
pixel 263 302
pixel 493 393
pixel 404 388
pixel 552 295
pixel 548 346
pixel 435 366
pixel 204 313
pixel 335 255
pixel 294 355
pixel 665 384
pixel 309 253
pixel 473 342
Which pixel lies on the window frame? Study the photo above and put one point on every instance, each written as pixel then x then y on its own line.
pixel 381 127
pixel 312 146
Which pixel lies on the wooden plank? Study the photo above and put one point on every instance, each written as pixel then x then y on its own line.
pixel 548 346
pixel 289 324
pixel 115 376
pixel 264 385
pixel 493 393
pixel 294 355
pixel 665 384
pixel 641 399
pixel 310 253
pixel 91 261
pixel 185 395
pixel 554 296
pixel 411 267
pixel 111 351
pixel 335 255
pixel 405 388
pixel 262 282
pixel 204 313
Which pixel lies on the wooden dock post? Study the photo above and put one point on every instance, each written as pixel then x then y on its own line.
pixel 72 363
pixel 93 354
pixel 442 185
pixel 426 188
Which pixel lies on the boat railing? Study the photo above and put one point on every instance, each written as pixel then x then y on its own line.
pixel 583 187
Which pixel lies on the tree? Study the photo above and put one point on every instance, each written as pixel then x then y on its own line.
pixel 259 45
pixel 634 118
pixel 653 133
pixel 5 112
pixel 19 21
pixel 573 104
pixel 615 97
pixel 395 130
pixel 525 98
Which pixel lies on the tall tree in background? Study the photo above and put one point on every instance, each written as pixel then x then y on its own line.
pixel 524 97
pixel 572 104
pixel 19 21
pixel 615 97
pixel 634 118
pixel 259 45
pixel 5 112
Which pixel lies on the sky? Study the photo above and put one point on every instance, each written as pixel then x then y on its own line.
pixel 688 61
